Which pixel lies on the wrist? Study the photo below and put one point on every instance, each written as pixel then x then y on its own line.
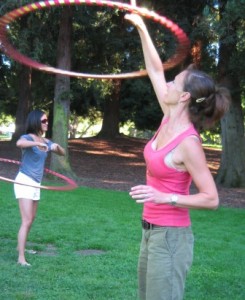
pixel 173 199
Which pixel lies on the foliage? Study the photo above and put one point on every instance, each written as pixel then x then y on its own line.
pixel 69 224
pixel 209 137
pixel 103 42
pixel 5 119
pixel 82 127
pixel 28 35
pixel 142 109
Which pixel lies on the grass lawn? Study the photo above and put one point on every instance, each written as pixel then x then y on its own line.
pixel 87 243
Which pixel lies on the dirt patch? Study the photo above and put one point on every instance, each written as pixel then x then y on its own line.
pixel 90 252
pixel 118 164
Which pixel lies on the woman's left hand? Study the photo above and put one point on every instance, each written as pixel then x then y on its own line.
pixel 146 193
pixel 54 147
pixel 57 149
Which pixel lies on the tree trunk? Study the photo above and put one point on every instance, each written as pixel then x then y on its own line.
pixel 62 95
pixel 110 125
pixel 232 167
pixel 24 103
pixel 24 75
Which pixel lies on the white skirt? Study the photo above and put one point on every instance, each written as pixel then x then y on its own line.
pixel 24 191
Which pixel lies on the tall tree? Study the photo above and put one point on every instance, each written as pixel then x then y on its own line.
pixel 106 46
pixel 24 82
pixel 24 101
pixel 232 167
pixel 61 110
pixel 110 124
pixel 27 88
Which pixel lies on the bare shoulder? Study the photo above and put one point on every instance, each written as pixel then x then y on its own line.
pixel 192 141
pixel 191 148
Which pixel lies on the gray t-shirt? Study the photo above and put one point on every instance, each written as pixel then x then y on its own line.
pixel 33 160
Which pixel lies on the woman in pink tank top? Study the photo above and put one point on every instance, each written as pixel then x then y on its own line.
pixel 174 157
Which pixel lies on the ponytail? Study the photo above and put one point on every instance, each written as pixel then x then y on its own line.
pixel 208 103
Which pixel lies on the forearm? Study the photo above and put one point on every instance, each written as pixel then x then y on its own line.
pixel 25 144
pixel 151 56
pixel 196 201
pixel 152 59
pixel 61 151
pixel 201 200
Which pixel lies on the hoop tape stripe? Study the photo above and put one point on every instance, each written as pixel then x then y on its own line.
pixel 182 48
pixel 70 186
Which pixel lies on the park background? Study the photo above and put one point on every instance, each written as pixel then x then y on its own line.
pixel 104 125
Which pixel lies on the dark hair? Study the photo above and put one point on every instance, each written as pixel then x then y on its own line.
pixel 33 122
pixel 208 103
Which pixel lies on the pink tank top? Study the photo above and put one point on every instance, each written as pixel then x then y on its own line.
pixel 168 180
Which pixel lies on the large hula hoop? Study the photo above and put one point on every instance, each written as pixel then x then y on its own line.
pixel 180 54
pixel 70 186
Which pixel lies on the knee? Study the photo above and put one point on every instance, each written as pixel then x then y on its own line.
pixel 27 222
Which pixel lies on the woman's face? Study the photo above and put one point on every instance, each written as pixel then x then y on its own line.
pixel 44 123
pixel 175 88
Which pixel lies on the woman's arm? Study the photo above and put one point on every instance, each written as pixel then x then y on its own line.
pixel 56 148
pixel 24 143
pixel 192 156
pixel 153 62
pixel 194 159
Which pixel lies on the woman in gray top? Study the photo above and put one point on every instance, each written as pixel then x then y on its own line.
pixel 35 149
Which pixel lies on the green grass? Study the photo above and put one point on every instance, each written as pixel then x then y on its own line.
pixel 69 222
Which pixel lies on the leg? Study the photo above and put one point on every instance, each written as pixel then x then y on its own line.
pixel 28 210
pixel 182 260
pixel 159 271
pixel 170 252
pixel 142 266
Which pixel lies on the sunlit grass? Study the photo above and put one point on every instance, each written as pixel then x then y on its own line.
pixel 69 224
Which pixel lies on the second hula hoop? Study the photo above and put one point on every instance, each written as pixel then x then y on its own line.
pixel 182 39
pixel 70 184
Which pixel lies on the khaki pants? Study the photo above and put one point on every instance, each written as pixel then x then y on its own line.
pixel 166 255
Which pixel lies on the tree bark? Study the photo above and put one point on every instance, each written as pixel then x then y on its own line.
pixel 110 125
pixel 232 166
pixel 62 95
pixel 24 75
pixel 24 102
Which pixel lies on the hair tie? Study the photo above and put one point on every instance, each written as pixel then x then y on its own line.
pixel 199 100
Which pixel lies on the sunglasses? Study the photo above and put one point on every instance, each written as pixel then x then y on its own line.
pixel 44 121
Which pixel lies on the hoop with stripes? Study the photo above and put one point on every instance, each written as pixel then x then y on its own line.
pixel 71 184
pixel 182 39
